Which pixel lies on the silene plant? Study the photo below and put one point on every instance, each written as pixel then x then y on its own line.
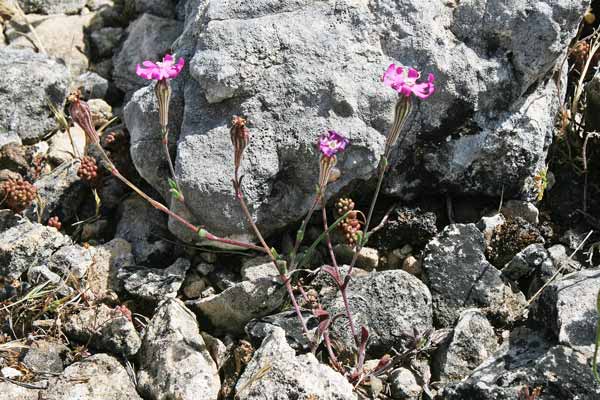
pixel 405 81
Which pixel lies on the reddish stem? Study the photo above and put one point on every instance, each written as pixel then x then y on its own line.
pixel 341 285
pixel 282 276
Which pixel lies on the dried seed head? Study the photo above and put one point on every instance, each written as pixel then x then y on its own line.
pixel 18 194
pixel 88 170
pixel 54 222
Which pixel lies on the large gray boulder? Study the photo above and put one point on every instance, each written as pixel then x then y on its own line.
pixel 390 304
pixel 459 277
pixel 145 228
pixel 174 360
pixel 26 245
pixel 230 310
pixel 61 193
pixel 104 328
pixel 296 68
pixel 471 343
pixel 526 359
pixel 24 96
pixel 99 377
pixel 567 309
pixel 289 376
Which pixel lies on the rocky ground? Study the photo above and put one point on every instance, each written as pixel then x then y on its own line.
pixel 480 283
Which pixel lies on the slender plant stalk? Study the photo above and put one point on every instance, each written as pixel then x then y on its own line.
pixel 165 141
pixel 206 235
pixel 281 272
pixel 302 230
pixel 341 285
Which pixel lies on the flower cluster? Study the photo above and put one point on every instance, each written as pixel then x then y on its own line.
pixel 54 222
pixel 351 225
pixel 18 194
pixel 88 170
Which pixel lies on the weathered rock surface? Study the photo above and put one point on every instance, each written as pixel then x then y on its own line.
pixel 11 391
pixel 486 129
pixel 406 225
pixel 26 245
pixel 62 149
pixel 174 361
pixel 403 385
pixel 161 8
pixel 521 209
pixel 62 36
pixel 148 38
pixel 61 193
pixel 472 342
pixel 105 329
pixel 99 377
pixel 23 96
pixel 532 264
pixel 389 303
pixel 567 309
pixel 52 6
pixel 44 357
pixel 459 277
pixel 289 376
pixel 526 359
pixel 144 227
pixel 106 40
pixel 154 284
pixel 92 85
pixel 258 329
pixel 233 308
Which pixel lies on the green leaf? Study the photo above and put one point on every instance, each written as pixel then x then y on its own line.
pixel 202 233
pixel 173 184
pixel 313 246
pixel 300 235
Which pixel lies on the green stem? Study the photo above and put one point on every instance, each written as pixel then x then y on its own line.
pixel 302 230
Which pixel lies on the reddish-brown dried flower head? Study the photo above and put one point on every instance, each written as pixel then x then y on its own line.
pixel 54 222
pixel 240 137
pixel 18 194
pixel 351 226
pixel 88 170
pixel 82 116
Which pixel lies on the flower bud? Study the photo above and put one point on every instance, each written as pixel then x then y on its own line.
pixel 82 116
pixel 162 90
pixel 240 137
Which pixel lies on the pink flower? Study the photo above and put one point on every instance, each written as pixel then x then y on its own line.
pixel 332 143
pixel 166 69
pixel 404 81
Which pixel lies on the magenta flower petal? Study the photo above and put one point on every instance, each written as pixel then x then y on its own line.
pixel 165 69
pixel 404 81
pixel 332 143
